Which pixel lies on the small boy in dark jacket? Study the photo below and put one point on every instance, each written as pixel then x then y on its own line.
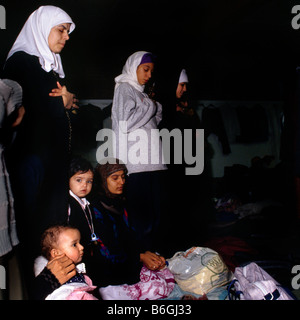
pixel 81 175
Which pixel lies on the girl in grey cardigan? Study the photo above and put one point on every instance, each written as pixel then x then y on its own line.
pixel 135 119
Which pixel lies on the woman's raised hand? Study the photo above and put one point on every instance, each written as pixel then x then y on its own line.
pixel 69 99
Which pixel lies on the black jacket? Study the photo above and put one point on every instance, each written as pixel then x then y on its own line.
pixel 45 127
pixel 115 259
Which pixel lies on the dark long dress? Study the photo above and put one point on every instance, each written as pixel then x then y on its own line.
pixel 38 158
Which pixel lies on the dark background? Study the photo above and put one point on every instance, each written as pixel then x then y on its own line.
pixel 234 50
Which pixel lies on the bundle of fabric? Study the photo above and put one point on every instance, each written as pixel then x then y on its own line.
pixel 153 285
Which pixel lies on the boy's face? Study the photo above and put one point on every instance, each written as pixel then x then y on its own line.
pixel 81 183
pixel 69 244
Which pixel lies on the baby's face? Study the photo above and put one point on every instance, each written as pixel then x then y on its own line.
pixel 81 183
pixel 69 244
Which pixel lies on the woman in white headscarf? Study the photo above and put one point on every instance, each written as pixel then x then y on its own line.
pixel 190 192
pixel 135 119
pixel 40 153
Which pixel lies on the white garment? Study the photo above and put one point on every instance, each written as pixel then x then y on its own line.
pixel 153 285
pixel 183 78
pixel 129 71
pixel 33 38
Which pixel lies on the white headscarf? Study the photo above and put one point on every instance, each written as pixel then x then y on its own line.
pixel 183 77
pixel 129 71
pixel 33 38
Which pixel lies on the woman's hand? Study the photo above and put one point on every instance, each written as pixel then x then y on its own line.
pixel 69 99
pixel 152 260
pixel 62 267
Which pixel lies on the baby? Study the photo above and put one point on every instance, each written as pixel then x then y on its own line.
pixel 58 240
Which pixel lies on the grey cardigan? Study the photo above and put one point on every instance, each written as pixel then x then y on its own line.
pixel 135 118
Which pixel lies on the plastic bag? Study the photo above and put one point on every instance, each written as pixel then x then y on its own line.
pixel 199 270
pixel 251 282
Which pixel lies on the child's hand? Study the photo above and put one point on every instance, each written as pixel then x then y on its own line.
pixel 152 260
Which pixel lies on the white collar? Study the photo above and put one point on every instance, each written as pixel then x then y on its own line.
pixel 81 268
pixel 82 201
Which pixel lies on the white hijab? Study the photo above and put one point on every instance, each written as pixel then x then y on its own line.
pixel 129 71
pixel 33 38
pixel 183 77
